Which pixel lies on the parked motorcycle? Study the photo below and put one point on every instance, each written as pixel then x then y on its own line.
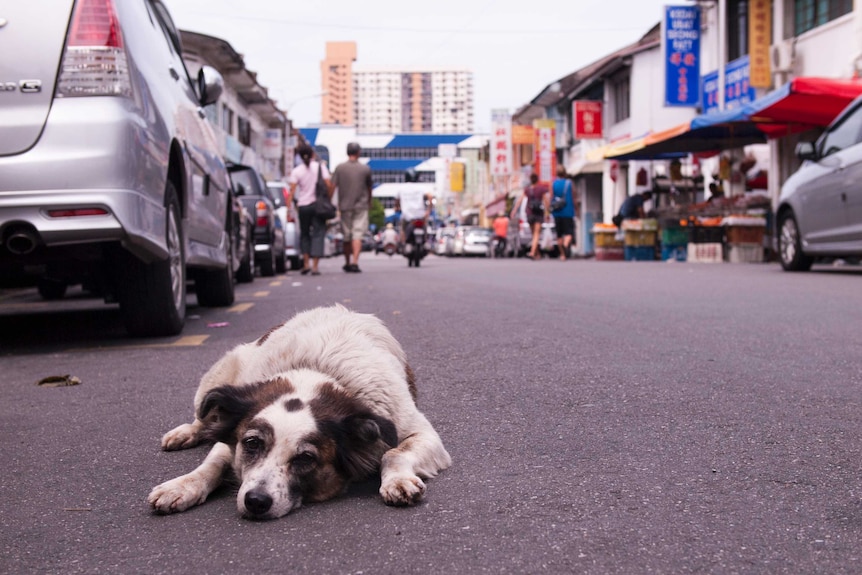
pixel 415 247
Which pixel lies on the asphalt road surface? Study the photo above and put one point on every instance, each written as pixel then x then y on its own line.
pixel 603 417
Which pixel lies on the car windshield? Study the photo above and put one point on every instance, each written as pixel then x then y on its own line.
pixel 276 194
pixel 244 182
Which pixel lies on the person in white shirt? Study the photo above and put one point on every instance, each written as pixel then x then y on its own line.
pixel 312 229
pixel 414 205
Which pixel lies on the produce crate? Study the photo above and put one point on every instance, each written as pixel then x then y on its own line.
pixel 674 236
pixel 610 253
pixel 644 225
pixel 606 238
pixel 704 253
pixel 636 238
pixel 706 235
pixel 744 253
pixel 640 253
pixel 676 252
pixel 745 234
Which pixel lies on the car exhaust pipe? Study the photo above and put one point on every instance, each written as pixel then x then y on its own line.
pixel 21 241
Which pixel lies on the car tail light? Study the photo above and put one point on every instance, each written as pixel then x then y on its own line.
pixel 418 223
pixel 77 212
pixel 94 62
pixel 262 214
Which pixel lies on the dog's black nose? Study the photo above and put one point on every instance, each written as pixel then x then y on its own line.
pixel 257 502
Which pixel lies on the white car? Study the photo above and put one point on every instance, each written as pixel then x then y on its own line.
pixel 289 217
pixel 472 241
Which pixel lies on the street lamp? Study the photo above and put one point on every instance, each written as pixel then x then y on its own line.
pixel 291 104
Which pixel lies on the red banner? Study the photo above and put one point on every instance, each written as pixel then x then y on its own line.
pixel 588 119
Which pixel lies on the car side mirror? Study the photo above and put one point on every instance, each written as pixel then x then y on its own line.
pixel 210 85
pixel 806 151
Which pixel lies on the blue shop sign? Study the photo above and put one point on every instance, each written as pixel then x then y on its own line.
pixel 738 90
pixel 682 55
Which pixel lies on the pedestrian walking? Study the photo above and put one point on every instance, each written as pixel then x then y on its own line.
pixel 538 207
pixel 564 214
pixel 353 181
pixel 312 229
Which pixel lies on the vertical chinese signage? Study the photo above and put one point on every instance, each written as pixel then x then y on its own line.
pixel 546 149
pixel 682 55
pixel 759 39
pixel 501 143
pixel 588 119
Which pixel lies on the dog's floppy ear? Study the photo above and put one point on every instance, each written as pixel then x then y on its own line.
pixel 221 410
pixel 365 438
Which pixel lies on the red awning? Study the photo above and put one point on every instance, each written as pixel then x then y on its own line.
pixel 801 104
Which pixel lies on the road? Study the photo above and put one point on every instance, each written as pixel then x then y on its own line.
pixel 603 417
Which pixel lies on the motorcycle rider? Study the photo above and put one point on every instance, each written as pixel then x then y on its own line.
pixel 413 205
pixel 389 237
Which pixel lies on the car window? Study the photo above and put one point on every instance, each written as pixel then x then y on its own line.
pixel 843 135
pixel 246 179
pixel 275 195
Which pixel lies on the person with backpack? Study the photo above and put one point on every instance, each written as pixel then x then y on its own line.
pixel 538 206
pixel 563 211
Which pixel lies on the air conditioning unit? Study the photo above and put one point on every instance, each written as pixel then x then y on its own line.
pixel 782 57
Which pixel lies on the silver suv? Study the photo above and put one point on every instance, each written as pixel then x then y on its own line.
pixel 110 174
pixel 820 209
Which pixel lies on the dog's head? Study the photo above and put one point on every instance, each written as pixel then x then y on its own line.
pixel 291 447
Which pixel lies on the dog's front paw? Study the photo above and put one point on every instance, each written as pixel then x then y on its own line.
pixel 404 490
pixel 181 437
pixel 177 495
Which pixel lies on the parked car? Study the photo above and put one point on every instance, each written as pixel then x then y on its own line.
pixel 471 241
pixel 548 240
pixel 268 236
pixel 111 175
pixel 289 216
pixel 244 242
pixel 443 238
pixel 819 211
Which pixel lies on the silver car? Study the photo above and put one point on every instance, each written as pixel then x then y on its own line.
pixel 820 209
pixel 110 175
pixel 289 216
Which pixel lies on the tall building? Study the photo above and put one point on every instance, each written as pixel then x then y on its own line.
pixel 388 102
pixel 336 74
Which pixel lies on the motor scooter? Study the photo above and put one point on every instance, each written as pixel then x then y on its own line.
pixel 390 242
pixel 415 248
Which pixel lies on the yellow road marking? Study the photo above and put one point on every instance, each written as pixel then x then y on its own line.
pixel 240 307
pixel 275 283
pixel 185 341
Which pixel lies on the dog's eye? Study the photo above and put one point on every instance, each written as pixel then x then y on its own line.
pixel 252 444
pixel 304 459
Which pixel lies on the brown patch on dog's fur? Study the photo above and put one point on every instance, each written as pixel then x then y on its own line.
pixel 293 404
pixel 411 383
pixel 265 336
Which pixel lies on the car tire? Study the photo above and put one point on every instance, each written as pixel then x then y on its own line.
pixel 295 262
pixel 153 296
pixel 245 273
pixel 267 265
pixel 281 263
pixel 215 288
pixel 790 245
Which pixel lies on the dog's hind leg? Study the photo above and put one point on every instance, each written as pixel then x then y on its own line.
pixel 183 436
pixel 192 488
pixel 420 455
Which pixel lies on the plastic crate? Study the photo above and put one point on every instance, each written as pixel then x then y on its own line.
pixel 745 234
pixel 640 253
pixel 704 253
pixel 706 235
pixel 744 253
pixel 637 238
pixel 607 239
pixel 674 236
pixel 676 252
pixel 610 254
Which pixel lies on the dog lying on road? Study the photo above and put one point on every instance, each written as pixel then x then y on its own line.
pixel 318 402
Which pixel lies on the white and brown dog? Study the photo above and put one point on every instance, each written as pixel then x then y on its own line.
pixel 318 402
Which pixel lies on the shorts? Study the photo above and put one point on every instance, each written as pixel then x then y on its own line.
pixel 565 226
pixel 354 223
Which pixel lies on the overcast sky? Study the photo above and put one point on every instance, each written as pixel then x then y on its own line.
pixel 513 47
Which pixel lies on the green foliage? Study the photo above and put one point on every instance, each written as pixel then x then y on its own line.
pixel 376 215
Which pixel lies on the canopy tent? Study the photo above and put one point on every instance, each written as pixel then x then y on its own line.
pixel 801 104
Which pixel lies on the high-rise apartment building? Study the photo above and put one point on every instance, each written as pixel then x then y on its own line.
pixel 439 101
pixel 336 74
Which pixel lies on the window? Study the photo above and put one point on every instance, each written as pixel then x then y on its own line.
pixel 621 98
pixel 844 135
pixel 808 14
pixel 737 29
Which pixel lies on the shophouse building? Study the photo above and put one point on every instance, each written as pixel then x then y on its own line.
pixel 250 127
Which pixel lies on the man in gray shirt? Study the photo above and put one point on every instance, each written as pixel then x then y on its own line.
pixel 353 181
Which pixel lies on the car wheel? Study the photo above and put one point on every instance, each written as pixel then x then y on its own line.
pixel 281 263
pixel 267 266
pixel 245 273
pixel 153 296
pixel 51 289
pixel 215 288
pixel 295 262
pixel 790 245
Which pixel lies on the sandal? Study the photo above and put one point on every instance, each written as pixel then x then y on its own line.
pixel 315 273
pixel 305 271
